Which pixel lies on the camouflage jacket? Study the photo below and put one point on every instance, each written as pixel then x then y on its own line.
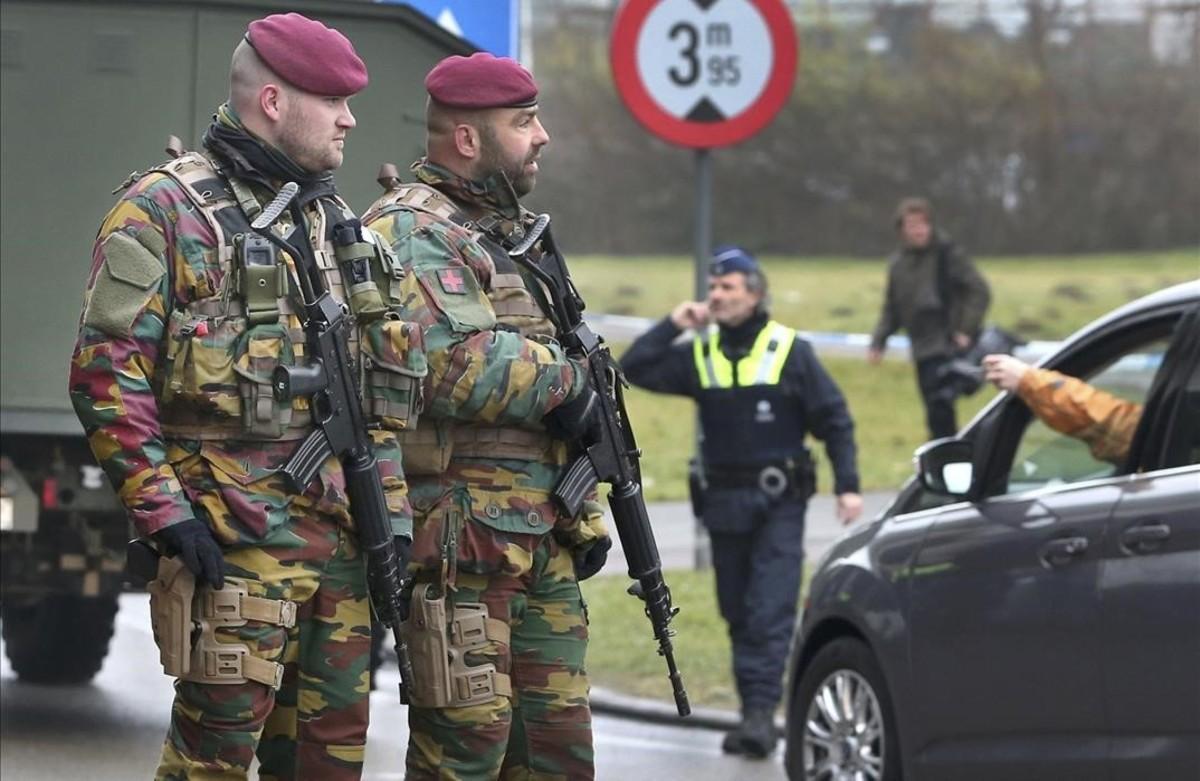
pixel 494 369
pixel 168 376
pixel 1071 406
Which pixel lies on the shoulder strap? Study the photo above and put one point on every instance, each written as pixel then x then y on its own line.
pixel 204 187
pixel 418 197
pixel 943 276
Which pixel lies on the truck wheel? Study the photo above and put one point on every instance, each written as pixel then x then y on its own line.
pixel 61 639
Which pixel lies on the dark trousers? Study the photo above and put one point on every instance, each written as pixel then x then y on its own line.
pixel 938 394
pixel 758 557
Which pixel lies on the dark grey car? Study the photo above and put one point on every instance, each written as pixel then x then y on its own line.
pixel 1024 611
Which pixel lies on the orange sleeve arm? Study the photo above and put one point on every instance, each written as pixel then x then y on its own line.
pixel 1073 407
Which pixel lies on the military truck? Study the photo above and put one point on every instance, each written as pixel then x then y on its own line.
pixel 90 91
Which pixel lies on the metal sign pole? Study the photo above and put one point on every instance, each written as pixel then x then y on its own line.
pixel 704 82
pixel 702 244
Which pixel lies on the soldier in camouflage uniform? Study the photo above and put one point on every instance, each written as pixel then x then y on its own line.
pixel 171 379
pixel 502 399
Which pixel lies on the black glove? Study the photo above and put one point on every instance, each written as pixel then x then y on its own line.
pixel 576 418
pixel 590 559
pixel 193 542
pixel 403 547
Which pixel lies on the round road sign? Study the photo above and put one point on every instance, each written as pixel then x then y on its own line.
pixel 704 73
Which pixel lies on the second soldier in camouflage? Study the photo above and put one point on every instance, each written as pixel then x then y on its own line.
pixel 502 401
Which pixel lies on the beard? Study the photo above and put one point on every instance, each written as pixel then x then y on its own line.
pixel 304 145
pixel 494 162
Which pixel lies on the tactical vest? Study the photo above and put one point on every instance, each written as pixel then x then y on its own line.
pixel 747 417
pixel 221 349
pixel 428 450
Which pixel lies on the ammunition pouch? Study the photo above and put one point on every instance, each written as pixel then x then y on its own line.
pixel 217 379
pixel 439 643
pixel 393 367
pixel 185 620
pixel 263 347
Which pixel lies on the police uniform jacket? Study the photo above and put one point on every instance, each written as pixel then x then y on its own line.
pixel 760 402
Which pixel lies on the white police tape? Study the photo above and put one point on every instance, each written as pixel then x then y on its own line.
pixel 625 328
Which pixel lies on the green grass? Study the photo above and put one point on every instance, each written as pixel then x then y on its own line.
pixel 1043 297
pixel 622 653
pixel 1040 297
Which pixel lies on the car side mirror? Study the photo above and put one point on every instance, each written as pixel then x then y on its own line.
pixel 946 466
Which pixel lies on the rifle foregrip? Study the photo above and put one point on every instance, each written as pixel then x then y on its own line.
pixel 384 578
pixel 633 527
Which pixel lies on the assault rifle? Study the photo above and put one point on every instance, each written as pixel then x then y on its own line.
pixel 330 381
pixel 612 455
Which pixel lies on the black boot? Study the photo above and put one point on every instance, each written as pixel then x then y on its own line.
pixel 732 744
pixel 758 732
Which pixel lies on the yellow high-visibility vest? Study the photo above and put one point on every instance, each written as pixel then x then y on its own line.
pixel 763 365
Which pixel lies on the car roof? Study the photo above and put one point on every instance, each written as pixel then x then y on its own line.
pixel 1176 296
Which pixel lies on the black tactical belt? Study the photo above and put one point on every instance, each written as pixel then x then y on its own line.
pixel 772 479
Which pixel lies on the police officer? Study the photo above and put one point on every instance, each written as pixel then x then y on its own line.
pixel 760 390
pixel 492 555
pixel 185 319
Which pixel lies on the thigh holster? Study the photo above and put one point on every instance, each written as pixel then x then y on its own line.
pixel 185 620
pixel 439 641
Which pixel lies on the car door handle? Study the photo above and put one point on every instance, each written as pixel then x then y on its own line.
pixel 1063 550
pixel 1144 538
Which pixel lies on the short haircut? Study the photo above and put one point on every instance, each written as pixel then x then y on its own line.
pixel 913 205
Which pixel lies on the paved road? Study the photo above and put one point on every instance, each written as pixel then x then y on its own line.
pixel 112 729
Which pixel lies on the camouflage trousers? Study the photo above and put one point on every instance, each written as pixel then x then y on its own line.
pixel 545 730
pixel 315 726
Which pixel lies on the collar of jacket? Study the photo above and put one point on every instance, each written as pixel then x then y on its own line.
pixel 249 157
pixel 937 242
pixel 739 339
pixel 493 195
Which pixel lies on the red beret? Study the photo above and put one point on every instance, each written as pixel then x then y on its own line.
pixel 308 55
pixel 481 81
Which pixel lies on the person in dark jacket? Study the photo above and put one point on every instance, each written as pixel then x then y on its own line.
pixel 936 294
pixel 760 390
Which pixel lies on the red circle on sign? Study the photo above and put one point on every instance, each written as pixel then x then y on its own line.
pixel 701 135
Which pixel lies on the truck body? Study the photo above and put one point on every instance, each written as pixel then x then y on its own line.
pixel 90 92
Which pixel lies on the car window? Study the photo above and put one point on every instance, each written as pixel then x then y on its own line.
pixel 1045 457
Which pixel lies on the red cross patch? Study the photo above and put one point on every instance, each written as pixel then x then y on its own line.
pixel 452 281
